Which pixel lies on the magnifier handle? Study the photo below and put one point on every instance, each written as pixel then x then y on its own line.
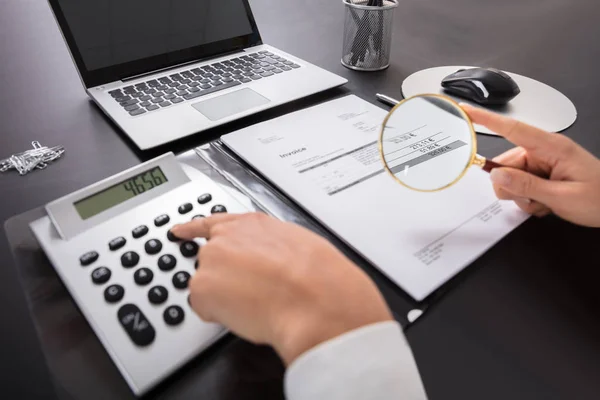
pixel 490 165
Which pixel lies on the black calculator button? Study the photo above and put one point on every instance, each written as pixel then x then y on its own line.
pixel 88 258
pixel 218 209
pixel 143 276
pixel 199 216
pixel 173 315
pixel 139 231
pixel 181 279
pixel 205 198
pixel 167 262
pixel 162 220
pixel 185 208
pixel 158 295
pixel 189 249
pixel 153 246
pixel 136 325
pixel 172 238
pixel 117 243
pixel 130 259
pixel 114 293
pixel 100 275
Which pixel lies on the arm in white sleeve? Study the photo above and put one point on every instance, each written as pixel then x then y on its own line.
pixel 373 362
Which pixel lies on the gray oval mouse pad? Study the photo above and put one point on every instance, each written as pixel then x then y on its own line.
pixel 538 104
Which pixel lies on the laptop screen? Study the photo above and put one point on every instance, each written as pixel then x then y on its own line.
pixel 135 36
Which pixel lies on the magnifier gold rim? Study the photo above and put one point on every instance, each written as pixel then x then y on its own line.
pixel 473 159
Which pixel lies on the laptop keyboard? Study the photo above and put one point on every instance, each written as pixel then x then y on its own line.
pixel 172 89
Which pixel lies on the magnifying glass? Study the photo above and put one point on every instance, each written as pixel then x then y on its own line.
pixel 427 143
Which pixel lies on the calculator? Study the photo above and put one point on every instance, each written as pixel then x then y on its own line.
pixel 111 246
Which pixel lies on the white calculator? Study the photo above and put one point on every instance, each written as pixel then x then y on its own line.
pixel 110 244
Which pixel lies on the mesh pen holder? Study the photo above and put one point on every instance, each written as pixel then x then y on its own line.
pixel 368 34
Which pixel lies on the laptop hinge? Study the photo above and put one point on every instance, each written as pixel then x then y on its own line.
pixel 157 71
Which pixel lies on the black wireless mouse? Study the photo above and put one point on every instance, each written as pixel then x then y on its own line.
pixel 486 86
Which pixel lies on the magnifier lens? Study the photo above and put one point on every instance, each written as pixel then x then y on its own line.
pixel 427 144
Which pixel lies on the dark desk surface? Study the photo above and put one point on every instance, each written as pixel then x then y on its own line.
pixel 523 323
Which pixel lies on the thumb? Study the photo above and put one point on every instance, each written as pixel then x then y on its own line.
pixel 524 184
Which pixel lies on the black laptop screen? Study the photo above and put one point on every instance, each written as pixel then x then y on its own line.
pixel 113 33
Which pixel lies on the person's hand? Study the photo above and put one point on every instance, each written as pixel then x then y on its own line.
pixel 548 172
pixel 276 283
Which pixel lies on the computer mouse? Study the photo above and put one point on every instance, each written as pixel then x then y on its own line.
pixel 486 86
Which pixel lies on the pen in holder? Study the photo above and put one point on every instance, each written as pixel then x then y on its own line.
pixel 368 34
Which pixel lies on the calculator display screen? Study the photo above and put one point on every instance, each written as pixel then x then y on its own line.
pixel 119 193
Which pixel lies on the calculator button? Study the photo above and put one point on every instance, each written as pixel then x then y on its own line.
pixel 100 275
pixel 218 209
pixel 114 293
pixel 139 231
pixel 143 276
pixel 189 249
pixel 130 259
pixel 117 243
pixel 205 198
pixel 173 315
pixel 167 262
pixel 185 208
pixel 199 216
pixel 162 220
pixel 172 238
pixel 181 279
pixel 136 325
pixel 88 258
pixel 158 295
pixel 153 246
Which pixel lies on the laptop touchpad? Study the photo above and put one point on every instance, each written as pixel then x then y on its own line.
pixel 229 104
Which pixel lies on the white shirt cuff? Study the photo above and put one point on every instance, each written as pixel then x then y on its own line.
pixel 373 362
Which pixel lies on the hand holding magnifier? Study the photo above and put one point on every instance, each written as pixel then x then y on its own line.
pixel 428 142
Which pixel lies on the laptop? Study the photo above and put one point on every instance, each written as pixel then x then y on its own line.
pixel 163 70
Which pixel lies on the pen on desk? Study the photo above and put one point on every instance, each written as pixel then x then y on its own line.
pixel 387 99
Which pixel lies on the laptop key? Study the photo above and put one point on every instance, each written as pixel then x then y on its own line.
pixel 277 71
pixel 132 107
pixel 145 104
pixel 263 52
pixel 122 99
pixel 137 95
pixel 170 91
pixel 151 91
pixel 145 98
pixel 181 87
pixel 176 77
pixel 225 74
pixel 139 111
pixel 192 84
pixel 170 96
pixel 162 87
pixel 238 76
pixel 153 83
pixel 269 68
pixel 157 100
pixel 129 102
pixel 245 80
pixel 182 93
pixel 295 66
pixel 227 79
pixel 286 68
pixel 185 81
pixel 197 71
pixel 152 108
pixel 188 74
pixel 194 89
pixel 216 83
pixel 177 100
pixel 249 73
pixel 113 92
pixel 266 74
pixel 165 80
pixel 165 104
pixel 158 94
pixel 255 77
pixel 173 84
pixel 211 90
pixel 205 86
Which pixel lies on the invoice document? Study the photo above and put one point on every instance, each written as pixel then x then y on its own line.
pixel 326 159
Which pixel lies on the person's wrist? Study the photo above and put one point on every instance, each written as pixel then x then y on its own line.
pixel 304 332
